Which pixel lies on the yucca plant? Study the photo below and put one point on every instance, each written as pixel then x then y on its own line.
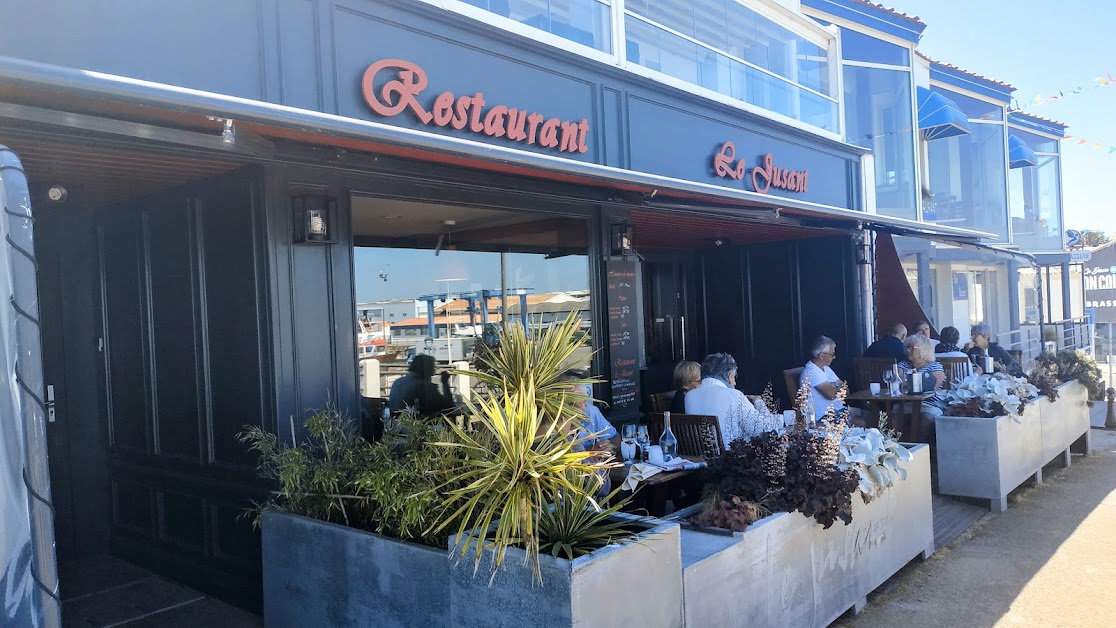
pixel 521 456
pixel 576 525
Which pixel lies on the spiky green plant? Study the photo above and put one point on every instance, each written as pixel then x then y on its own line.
pixel 515 463
pixel 576 525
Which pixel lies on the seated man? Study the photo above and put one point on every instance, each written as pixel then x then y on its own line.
pixel 889 346
pixel 717 396
pixel 822 382
pixel 415 390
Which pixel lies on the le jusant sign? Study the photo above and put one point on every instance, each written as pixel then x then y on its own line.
pixel 764 176
pixel 404 89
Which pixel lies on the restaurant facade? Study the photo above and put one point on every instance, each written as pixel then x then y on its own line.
pixel 206 179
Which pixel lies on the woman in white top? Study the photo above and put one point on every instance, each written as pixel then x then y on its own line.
pixel 717 396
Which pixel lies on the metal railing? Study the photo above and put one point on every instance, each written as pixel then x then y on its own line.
pixel 1078 334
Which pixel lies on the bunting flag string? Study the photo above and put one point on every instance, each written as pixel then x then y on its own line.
pixel 1107 149
pixel 1100 81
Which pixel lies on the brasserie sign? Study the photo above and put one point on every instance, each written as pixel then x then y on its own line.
pixel 764 176
pixel 467 112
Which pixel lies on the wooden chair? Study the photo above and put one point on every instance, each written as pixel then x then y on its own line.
pixel 955 369
pixel 697 434
pixel 660 402
pixel 869 370
pixel 792 378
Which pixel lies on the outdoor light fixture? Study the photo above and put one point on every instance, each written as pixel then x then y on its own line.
pixel 622 236
pixel 719 242
pixel 57 193
pixel 863 249
pixel 315 218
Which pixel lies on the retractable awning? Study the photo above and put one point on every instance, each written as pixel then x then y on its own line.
pixel 1019 154
pixel 940 117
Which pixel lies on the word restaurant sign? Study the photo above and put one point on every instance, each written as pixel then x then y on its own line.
pixel 764 176
pixel 404 90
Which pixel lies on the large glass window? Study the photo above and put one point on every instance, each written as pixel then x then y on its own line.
pixel 727 47
pixel 975 108
pixel 1036 205
pixel 587 22
pixel 860 47
pixel 878 116
pixel 968 180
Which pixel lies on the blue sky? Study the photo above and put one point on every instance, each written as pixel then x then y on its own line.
pixel 1042 47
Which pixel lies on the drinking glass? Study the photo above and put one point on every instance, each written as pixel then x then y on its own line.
pixel 644 442
pixel 628 443
pixel 891 379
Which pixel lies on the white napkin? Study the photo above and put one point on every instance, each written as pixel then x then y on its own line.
pixel 641 471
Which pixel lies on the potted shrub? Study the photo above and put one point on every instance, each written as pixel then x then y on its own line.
pixel 863 507
pixel 990 440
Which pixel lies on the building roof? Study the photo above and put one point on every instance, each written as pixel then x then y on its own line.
pixel 913 19
pixel 969 73
pixel 1028 114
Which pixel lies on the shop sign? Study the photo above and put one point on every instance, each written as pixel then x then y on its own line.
pixel 1077 257
pixel 404 90
pixel 764 176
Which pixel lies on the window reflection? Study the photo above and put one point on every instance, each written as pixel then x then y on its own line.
pixel 878 116
pixel 587 22
pixel 1035 205
pixel 968 180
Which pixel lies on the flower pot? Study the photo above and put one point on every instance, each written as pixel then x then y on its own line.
pixel 635 583
pixel 989 457
pixel 1064 421
pixel 317 573
pixel 786 570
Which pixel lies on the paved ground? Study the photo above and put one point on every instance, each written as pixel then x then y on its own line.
pixel 1050 560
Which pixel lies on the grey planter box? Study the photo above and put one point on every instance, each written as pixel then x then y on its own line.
pixel 632 584
pixel 321 574
pixel 786 570
pixel 1064 422
pixel 988 458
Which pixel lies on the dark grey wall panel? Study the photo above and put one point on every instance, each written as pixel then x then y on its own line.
pixel 300 54
pixel 214 45
pixel 125 331
pixel 169 240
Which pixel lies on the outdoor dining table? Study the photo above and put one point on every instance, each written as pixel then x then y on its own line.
pixel 904 412
pixel 657 488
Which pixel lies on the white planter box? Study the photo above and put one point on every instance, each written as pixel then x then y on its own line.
pixel 988 458
pixel 1064 421
pixel 786 570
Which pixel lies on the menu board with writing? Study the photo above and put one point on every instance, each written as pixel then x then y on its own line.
pixel 623 340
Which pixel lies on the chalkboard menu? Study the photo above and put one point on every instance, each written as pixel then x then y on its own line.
pixel 623 340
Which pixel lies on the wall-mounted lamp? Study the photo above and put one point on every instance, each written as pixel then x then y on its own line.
pixel 719 242
pixel 315 219
pixel 622 238
pixel 863 244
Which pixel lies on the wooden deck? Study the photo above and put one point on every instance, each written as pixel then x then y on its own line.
pixel 952 517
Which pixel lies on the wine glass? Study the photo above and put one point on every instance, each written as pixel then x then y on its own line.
pixel 643 440
pixel 628 443
pixel 891 379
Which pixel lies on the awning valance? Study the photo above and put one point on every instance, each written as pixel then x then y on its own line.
pixel 940 117
pixel 1019 154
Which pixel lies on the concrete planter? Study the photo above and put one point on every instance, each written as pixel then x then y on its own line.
pixel 317 573
pixel 785 570
pixel 1064 422
pixel 631 584
pixel 988 458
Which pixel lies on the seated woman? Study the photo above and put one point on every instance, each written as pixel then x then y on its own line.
pixel 593 426
pixel 982 346
pixel 948 347
pixel 687 376
pixel 415 390
pixel 920 361
pixel 717 396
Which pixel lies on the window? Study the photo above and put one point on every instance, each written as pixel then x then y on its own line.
pixel 727 47
pixel 968 180
pixel 587 22
pixel 878 116
pixel 975 108
pixel 860 47
pixel 1036 214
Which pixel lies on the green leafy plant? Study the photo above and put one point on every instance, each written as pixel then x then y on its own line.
pixel 523 455
pixel 1068 365
pixel 575 525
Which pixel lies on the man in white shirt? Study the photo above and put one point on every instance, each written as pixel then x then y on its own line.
pixel 717 396
pixel 822 382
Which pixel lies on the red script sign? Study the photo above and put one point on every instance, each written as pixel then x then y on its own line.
pixel 764 177
pixel 460 112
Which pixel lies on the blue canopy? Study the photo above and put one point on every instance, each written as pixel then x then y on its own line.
pixel 1019 154
pixel 940 117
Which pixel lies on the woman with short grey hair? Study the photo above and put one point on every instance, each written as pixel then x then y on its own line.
pixel 982 347
pixel 717 396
